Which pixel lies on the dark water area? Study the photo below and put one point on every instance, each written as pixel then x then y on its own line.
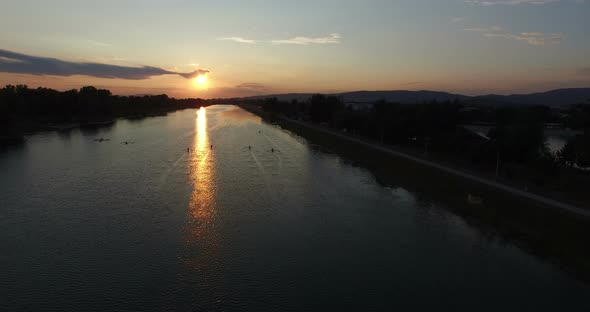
pixel 281 225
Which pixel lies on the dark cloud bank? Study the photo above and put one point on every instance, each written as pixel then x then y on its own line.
pixel 12 62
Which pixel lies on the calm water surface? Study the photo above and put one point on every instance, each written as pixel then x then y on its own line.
pixel 148 226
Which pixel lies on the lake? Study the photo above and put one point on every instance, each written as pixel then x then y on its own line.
pixel 251 217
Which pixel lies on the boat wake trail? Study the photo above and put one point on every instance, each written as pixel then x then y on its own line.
pixel 267 186
pixel 278 148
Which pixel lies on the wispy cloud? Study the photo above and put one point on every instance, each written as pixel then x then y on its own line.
pixel 244 89
pixel 331 39
pixel 411 83
pixel 508 2
pixel 97 43
pixel 585 71
pixel 299 40
pixel 252 86
pixel 532 38
pixel 6 59
pixel 492 29
pixel 238 40
pixel 460 19
pixel 193 74
pixel 12 62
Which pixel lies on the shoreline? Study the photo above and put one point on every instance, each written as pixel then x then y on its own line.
pixel 32 127
pixel 431 165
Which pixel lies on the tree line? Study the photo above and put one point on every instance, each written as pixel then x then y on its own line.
pixel 23 108
pixel 514 148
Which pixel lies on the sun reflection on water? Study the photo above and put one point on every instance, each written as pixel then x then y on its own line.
pixel 199 231
pixel 201 173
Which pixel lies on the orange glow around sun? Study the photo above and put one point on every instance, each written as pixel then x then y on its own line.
pixel 201 82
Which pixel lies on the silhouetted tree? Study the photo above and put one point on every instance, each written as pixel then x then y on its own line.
pixel 323 108
pixel 20 105
pixel 576 151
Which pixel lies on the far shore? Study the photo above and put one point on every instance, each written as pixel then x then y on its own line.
pixel 31 127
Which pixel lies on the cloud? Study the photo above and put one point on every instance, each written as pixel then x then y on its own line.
pixel 242 89
pixel 331 39
pixel 492 29
pixel 585 71
pixel 300 40
pixel 508 2
pixel 518 2
pixel 193 74
pixel 411 83
pixel 252 86
pixel 12 62
pixel 461 19
pixel 532 38
pixel 97 43
pixel 5 59
pixel 238 40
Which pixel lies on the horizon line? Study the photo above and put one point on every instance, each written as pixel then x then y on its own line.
pixel 302 93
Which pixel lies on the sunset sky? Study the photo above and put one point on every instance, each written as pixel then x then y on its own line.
pixel 262 47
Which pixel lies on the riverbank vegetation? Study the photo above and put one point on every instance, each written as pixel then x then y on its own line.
pixel 23 109
pixel 514 150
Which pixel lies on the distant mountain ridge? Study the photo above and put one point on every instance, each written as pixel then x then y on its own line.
pixel 557 97
pixel 401 96
pixel 549 98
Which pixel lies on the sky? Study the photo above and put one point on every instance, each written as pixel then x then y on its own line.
pixel 241 48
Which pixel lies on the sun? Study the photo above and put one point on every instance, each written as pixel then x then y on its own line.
pixel 200 81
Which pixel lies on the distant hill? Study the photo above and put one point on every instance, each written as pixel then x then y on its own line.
pixel 288 97
pixel 550 98
pixel 557 97
pixel 402 96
